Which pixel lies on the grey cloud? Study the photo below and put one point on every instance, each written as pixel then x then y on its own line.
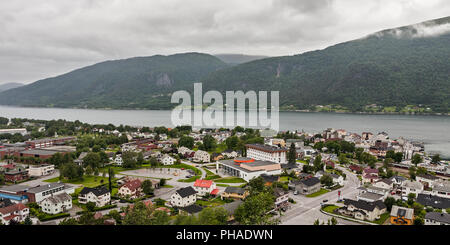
pixel 50 37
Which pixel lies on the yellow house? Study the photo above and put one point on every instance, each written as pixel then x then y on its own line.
pixel 402 215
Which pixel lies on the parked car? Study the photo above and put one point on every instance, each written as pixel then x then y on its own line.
pixel 325 200
pixel 296 192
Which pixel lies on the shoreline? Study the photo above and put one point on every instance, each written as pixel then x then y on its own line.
pixel 297 111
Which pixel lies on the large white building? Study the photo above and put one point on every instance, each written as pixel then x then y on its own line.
pixel 60 203
pixel 41 170
pixel 22 131
pixel 248 168
pixel 266 153
pixel 99 196
pixel 167 160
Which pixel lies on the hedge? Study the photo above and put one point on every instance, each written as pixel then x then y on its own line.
pixel 99 208
pixel 46 217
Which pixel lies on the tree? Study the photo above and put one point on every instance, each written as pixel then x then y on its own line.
pixel 418 221
pixel 69 221
pixel 162 182
pixel 90 206
pixel 254 211
pixel 28 221
pixel 316 222
pixel 343 159
pixel 129 159
pixel 209 143
pixel 186 141
pixel 213 216
pixel 436 159
pixel 256 185
pixel 398 157
pixel 139 214
pixel 389 202
pixel 318 163
pixel 292 155
pixel 232 142
pixel 147 187
pixel 416 159
pixel 326 180
pixel 110 178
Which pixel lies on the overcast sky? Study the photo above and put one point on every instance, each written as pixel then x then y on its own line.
pixel 43 38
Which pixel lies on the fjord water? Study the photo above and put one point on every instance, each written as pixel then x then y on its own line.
pixel 434 131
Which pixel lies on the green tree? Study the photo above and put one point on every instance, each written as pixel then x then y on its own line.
pixel 254 211
pixel 147 187
pixel 436 158
pixel 186 141
pixel 209 143
pixel 292 155
pixel 326 180
pixel 389 202
pixel 416 159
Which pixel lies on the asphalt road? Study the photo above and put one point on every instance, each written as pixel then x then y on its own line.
pixel 307 210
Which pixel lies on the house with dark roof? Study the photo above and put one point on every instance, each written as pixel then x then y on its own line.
pixel 281 198
pixel 191 209
pixel 427 180
pixel 100 196
pixel 236 193
pixel 363 210
pixel 306 186
pixel 435 218
pixel 184 197
pixel 433 201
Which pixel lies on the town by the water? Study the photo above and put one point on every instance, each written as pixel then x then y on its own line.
pixel 72 173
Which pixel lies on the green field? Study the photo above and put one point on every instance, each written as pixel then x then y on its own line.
pixel 330 208
pixel 230 180
pixel 87 181
pixel 316 194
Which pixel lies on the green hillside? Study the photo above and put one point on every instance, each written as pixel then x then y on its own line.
pixel 141 82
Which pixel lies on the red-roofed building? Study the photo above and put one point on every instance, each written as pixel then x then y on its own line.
pixel 371 171
pixel 369 178
pixel 215 192
pixel 355 168
pixel 204 187
pixel 17 212
pixel 329 163
pixel 131 189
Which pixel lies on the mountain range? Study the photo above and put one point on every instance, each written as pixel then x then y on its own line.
pixel 7 86
pixel 391 69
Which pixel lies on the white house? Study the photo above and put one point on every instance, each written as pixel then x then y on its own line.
pixel 442 190
pixel 131 189
pixel 118 160
pixel 435 218
pixel 60 203
pixel 17 212
pixel 41 170
pixel 201 156
pixel 385 184
pixel 183 150
pixel 203 187
pixel 337 179
pixel 427 180
pixel 184 197
pixel 409 186
pixel 99 196
pixel 167 160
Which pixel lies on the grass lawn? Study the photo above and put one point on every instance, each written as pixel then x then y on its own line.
pixel 285 179
pixel 166 186
pixel 316 194
pixel 222 185
pixel 87 181
pixel 302 161
pixel 191 179
pixel 230 180
pixel 382 219
pixel 211 203
pixel 330 209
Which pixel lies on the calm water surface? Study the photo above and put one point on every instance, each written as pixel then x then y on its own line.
pixel 434 131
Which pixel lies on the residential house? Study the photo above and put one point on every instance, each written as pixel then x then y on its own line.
pixel 435 218
pixel 184 197
pixel 402 215
pixel 167 160
pixel 442 190
pixel 435 202
pixel 17 212
pixel 80 160
pixel 363 210
pixel 204 187
pixel 100 196
pixel 191 209
pixel 230 154
pixel 385 184
pixel 427 180
pixel 307 186
pixel 411 187
pixel 55 204
pixel 16 175
pixel 131 189
pixel 281 198
pixel 397 180
pixel 236 193
pixel 118 160
pixel 202 156
pixel 217 156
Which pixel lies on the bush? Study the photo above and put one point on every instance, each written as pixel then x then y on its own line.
pixel 45 217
